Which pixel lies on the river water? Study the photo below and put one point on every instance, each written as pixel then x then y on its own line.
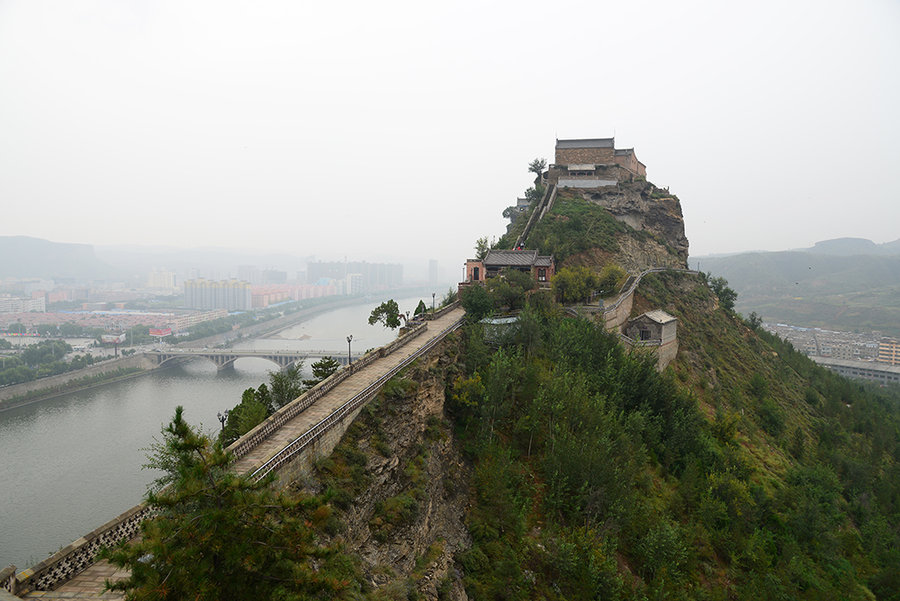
pixel 72 463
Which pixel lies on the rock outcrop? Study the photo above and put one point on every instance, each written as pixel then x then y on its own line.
pixel 407 522
pixel 647 208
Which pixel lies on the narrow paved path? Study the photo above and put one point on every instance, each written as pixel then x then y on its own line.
pixel 340 394
pixel 89 584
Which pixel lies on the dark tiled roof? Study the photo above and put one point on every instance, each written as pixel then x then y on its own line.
pixel 587 143
pixel 510 258
pixel 543 261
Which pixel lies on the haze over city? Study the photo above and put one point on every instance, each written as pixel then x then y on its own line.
pixel 396 130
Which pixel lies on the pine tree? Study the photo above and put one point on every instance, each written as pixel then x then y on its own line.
pixel 219 535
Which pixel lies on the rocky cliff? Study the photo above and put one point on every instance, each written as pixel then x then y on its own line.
pixel 646 208
pixel 400 488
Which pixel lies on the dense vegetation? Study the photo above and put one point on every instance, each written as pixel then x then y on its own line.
pixel 222 536
pixel 572 226
pixel 744 472
pixel 46 358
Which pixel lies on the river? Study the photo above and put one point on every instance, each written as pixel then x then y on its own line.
pixel 71 463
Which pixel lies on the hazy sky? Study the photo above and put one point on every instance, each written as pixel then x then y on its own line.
pixel 389 130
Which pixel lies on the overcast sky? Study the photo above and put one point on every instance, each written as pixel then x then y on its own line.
pixel 389 130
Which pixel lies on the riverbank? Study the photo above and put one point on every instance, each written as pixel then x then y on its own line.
pixel 50 387
pixel 72 461
pixel 273 326
pixel 134 366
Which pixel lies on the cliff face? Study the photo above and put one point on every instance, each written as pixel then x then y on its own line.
pixel 404 521
pixel 647 208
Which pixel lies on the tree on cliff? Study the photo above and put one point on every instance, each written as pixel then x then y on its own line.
pixel 286 385
pixel 387 314
pixel 727 296
pixel 219 535
pixel 246 415
pixel 481 248
pixel 322 369
pixel 537 167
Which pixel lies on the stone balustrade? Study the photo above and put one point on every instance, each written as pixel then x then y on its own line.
pixel 8 579
pixel 338 415
pixel 78 555
pixel 251 439
pixel 442 311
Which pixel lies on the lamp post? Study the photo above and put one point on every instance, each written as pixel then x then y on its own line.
pixel 432 302
pixel 223 417
pixel 349 338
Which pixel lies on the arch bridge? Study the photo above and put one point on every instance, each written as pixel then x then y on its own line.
pixel 225 358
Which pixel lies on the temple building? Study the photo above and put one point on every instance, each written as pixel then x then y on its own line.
pixel 541 267
pixel 593 163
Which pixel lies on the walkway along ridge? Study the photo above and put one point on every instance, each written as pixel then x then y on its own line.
pixel 273 443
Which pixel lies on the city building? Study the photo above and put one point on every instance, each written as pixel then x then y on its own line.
pixel 250 273
pixel 354 284
pixel 161 279
pixel 11 304
pixel 889 351
pixel 375 276
pixel 818 342
pixel 432 272
pixel 232 295
pixel 263 296
pixel 182 323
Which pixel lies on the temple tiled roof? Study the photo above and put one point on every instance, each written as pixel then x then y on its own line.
pixel 510 258
pixel 587 143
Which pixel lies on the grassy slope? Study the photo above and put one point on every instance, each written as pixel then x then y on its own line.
pixel 577 231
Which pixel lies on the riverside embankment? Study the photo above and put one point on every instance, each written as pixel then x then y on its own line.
pixel 72 462
pixel 114 370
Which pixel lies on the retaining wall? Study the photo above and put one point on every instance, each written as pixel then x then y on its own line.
pixel 64 382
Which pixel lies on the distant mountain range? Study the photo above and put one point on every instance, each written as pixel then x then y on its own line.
pixel 848 247
pixel 846 283
pixel 25 257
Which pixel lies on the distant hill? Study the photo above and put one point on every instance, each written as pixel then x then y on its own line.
pixel 23 257
pixel 855 246
pixel 846 283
